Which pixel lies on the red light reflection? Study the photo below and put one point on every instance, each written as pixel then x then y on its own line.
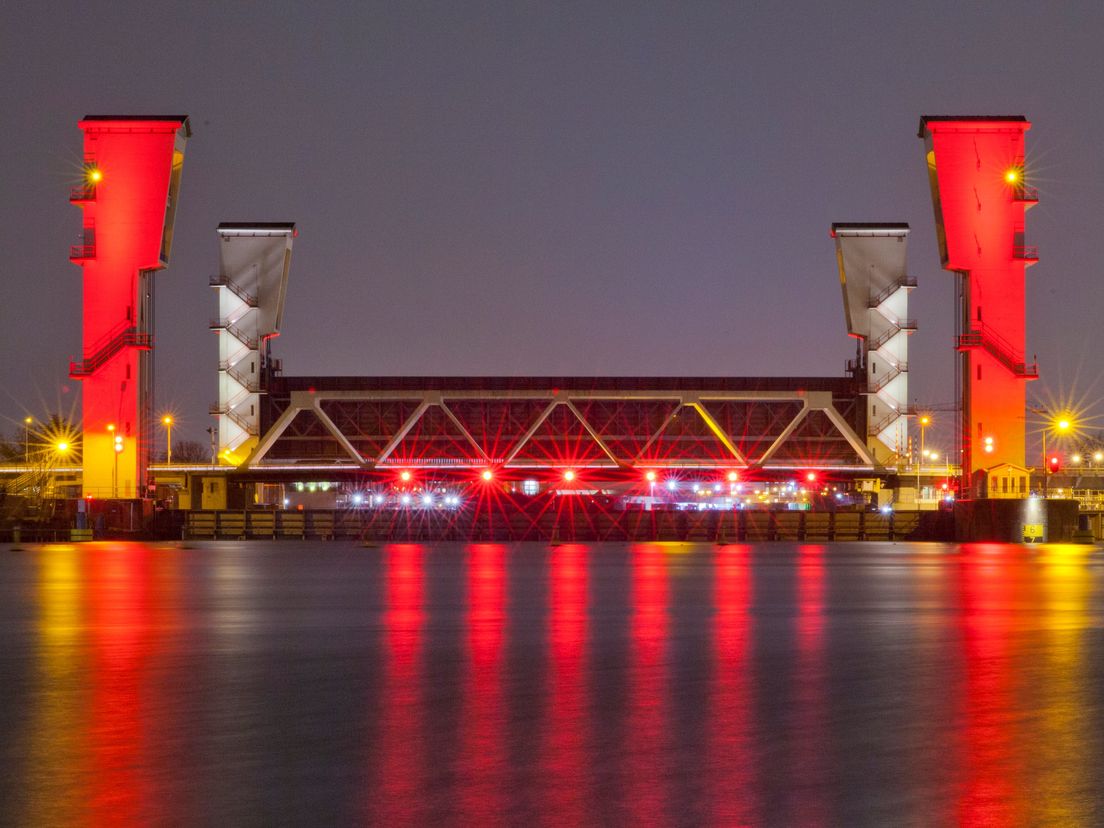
pixel 483 753
pixel 120 609
pixel 401 771
pixel 565 762
pixel 647 741
pixel 810 724
pixel 989 765
pixel 732 762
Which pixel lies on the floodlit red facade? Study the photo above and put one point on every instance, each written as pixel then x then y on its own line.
pixel 977 175
pixel 129 192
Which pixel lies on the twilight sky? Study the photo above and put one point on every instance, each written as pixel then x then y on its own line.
pixel 532 188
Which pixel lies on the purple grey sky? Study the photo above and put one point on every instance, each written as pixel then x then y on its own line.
pixel 534 188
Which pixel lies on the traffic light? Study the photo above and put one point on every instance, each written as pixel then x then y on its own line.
pixel 1054 464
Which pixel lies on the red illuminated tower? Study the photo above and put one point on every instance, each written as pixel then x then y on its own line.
pixel 132 167
pixel 976 171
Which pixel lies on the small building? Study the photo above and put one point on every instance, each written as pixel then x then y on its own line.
pixel 1004 480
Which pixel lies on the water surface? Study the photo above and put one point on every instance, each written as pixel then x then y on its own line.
pixel 327 683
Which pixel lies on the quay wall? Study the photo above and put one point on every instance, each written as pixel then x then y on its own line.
pixel 707 526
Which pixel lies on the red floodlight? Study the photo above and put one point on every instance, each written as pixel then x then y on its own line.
pixel 569 475
pixel 488 475
pixel 811 477
pixel 650 476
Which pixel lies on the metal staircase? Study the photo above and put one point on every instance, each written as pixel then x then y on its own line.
pixel 888 377
pixel 245 339
pixel 887 357
pixel 225 281
pixel 988 340
pixel 123 336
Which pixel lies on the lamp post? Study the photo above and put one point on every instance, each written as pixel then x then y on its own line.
pixel 167 421
pixel 1046 467
pixel 1062 424
pixel 61 447
pixel 27 421
pixel 925 421
pixel 117 447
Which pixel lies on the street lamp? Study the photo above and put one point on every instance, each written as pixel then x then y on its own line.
pixel 1062 424
pixel 27 421
pixel 167 421
pixel 118 447
pixel 925 421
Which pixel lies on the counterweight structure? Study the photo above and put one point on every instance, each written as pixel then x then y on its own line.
pixel 977 176
pixel 254 259
pixel 132 169
pixel 872 259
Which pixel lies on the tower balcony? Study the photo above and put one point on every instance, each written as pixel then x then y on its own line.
pixel 83 194
pixel 82 252
pixel 1028 196
pixel 1026 253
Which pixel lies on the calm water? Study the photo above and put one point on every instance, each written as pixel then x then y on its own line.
pixel 325 683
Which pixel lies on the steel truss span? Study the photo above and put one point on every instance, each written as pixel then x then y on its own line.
pixel 563 423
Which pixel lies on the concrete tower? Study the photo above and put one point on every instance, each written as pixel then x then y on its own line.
pixel 254 259
pixel 132 168
pixel 977 175
pixel 872 259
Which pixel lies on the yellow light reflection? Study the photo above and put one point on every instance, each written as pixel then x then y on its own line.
pixel 57 718
pixel 1060 761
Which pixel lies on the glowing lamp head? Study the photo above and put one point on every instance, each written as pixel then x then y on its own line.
pixel 1075 458
pixel 733 477
pixel 1063 424
pixel 167 420
pixel 1054 463
pixel 404 477
pixel 488 475
pixel 28 420
pixel 94 175
pixel 1098 456
pixel 650 476
pixel 569 475
pixel 925 420
pixel 811 477
pixel 111 427
pixel 1012 175
pixel 62 447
